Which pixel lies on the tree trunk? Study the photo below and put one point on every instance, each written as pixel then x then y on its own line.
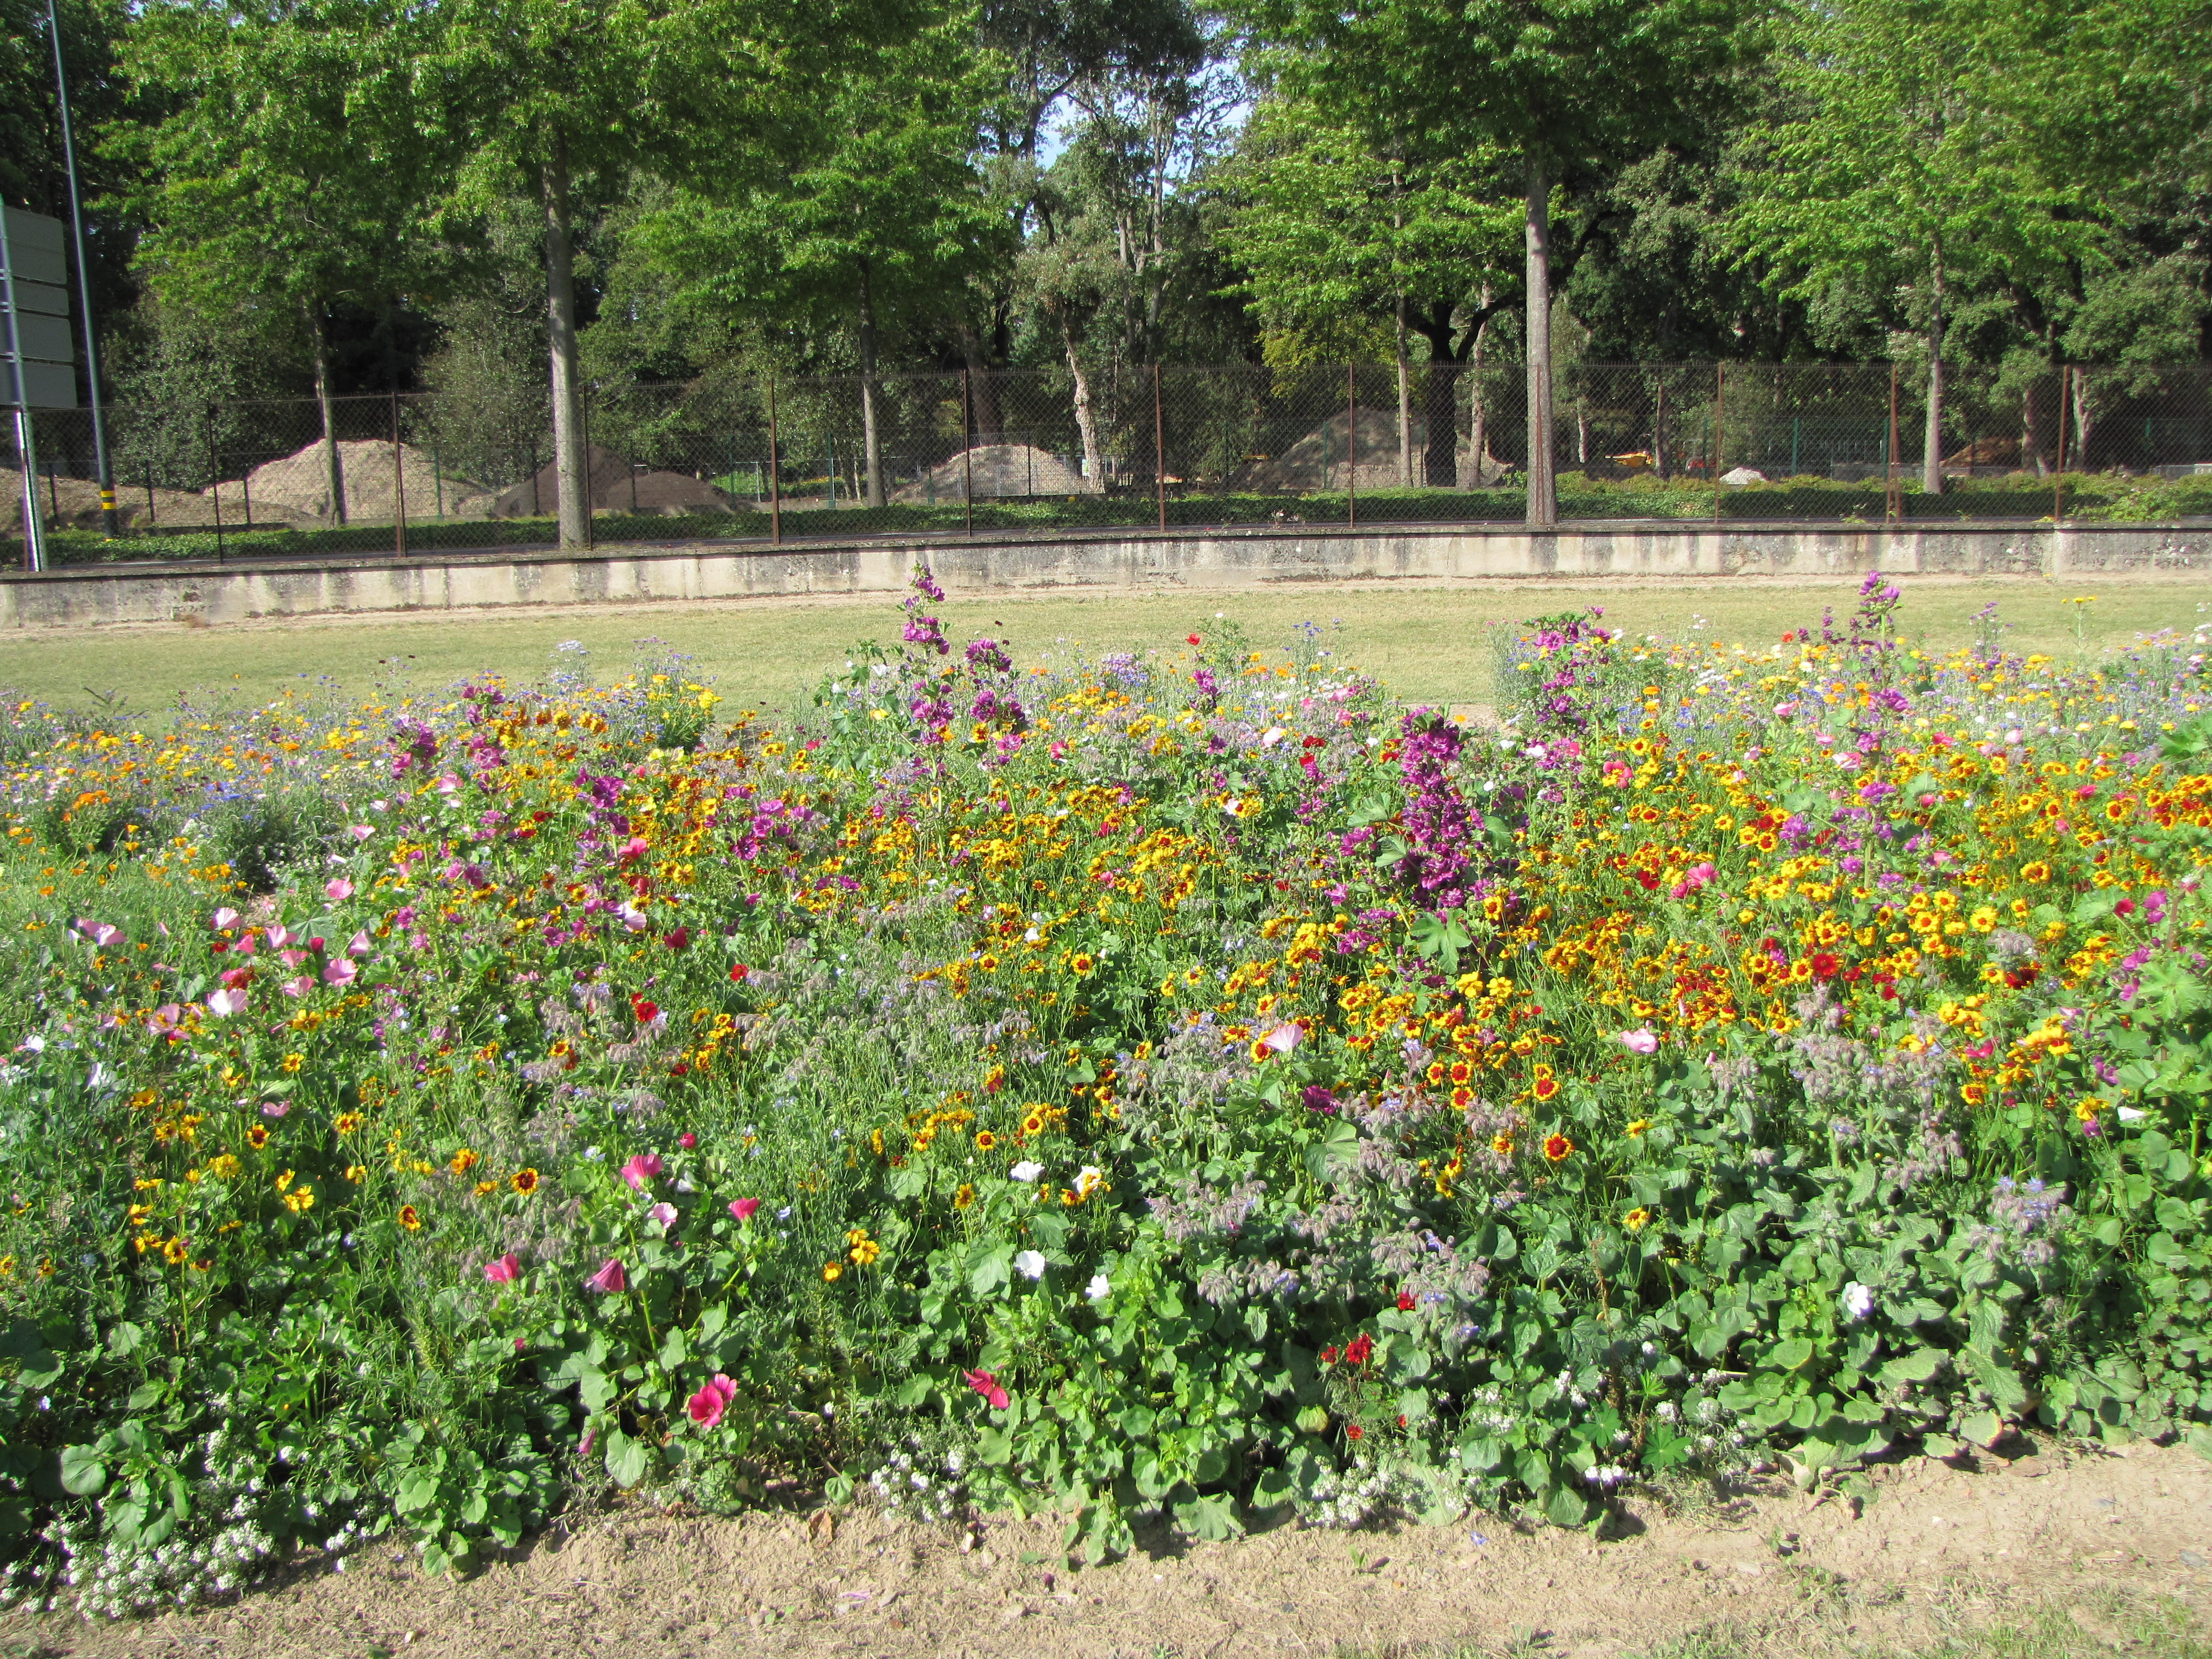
pixel 2031 436
pixel 570 463
pixel 1931 455
pixel 1405 404
pixel 871 444
pixel 1440 410
pixel 982 391
pixel 333 469
pixel 1543 488
pixel 1094 470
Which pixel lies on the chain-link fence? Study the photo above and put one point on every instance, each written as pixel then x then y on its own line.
pixel 805 459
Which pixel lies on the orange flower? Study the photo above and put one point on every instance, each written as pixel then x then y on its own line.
pixel 409 1220
pixel 1636 1218
pixel 1502 1144
pixel 524 1181
pixel 1557 1147
pixel 1545 1087
pixel 257 1137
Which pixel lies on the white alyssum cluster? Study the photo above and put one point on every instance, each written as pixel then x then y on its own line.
pixel 908 1489
pixel 1345 1498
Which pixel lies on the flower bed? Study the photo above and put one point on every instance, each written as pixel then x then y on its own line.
pixel 1177 1094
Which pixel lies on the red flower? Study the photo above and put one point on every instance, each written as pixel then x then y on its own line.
pixel 1825 965
pixel 678 939
pixel 1405 1302
pixel 1329 1355
pixel 646 1012
pixel 1190 638
pixel 1352 1432
pixel 1357 1351
pixel 737 972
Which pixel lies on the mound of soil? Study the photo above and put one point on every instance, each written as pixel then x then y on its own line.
pixel 297 486
pixel 1000 470
pixel 1316 461
pixel 79 500
pixel 612 484
pixel 2073 1534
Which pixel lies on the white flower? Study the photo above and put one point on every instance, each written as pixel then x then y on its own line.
pixel 1030 1264
pixel 1099 1288
pixel 1858 1300
pixel 2131 1115
pixel 1026 1171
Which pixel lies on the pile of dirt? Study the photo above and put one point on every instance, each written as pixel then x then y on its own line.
pixel 1000 471
pixel 78 501
pixel 2087 1537
pixel 612 484
pixel 1316 461
pixel 297 486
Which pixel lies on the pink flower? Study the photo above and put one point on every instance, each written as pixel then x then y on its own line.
pixel 237 979
pixel 360 832
pixel 340 972
pixel 987 1385
pixel 743 1208
pixel 99 933
pixel 712 1399
pixel 358 945
pixel 609 1281
pixel 1284 1037
pixel 297 988
pixel 274 1108
pixel 225 917
pixel 164 1020
pixel 244 947
pixel 664 1213
pixel 293 958
pixel 635 848
pixel 506 1270
pixel 641 1168
pixel 1695 879
pixel 224 1003
pixel 1638 1042
pixel 687 1140
pixel 279 937
pixel 338 888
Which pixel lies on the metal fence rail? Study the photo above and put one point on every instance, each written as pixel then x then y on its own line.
pixel 801 459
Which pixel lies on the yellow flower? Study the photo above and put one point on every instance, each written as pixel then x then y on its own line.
pixel 1639 1126
pixel 173 1252
pixel 524 1181
pixel 300 1200
pixel 985 1140
pixel 346 1122
pixel 294 1062
pixel 409 1220
pixel 357 1173
pixel 1501 1144
pixel 1635 1218
pixel 832 1272
pixel 485 1188
pixel 223 1164
pixel 463 1161
pixel 964 1197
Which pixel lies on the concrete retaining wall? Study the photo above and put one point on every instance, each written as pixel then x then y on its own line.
pixel 93 595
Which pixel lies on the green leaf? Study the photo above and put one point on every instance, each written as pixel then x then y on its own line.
pixel 82 1473
pixel 1921 1365
pixel 1567 1508
pixel 1790 1353
pixel 627 1459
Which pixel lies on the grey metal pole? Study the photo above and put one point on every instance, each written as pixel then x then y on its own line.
pixel 34 531
pixel 83 281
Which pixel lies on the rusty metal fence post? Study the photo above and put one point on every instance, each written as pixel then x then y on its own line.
pixel 1892 498
pixel 398 485
pixel 1720 404
pixel 1351 446
pixel 2058 474
pixel 775 484
pixel 1159 453
pixel 214 488
pixel 968 452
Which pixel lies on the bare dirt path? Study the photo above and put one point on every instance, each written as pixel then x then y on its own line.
pixel 1779 1573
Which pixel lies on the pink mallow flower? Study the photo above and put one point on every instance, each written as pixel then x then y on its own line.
pixel 664 1213
pixel 1695 879
pixel 506 1270
pixel 340 972
pixel 337 890
pixel 358 945
pixel 1638 1042
pixel 712 1399
pixel 609 1281
pixel 743 1208
pixel 987 1385
pixel 224 1003
pixel 641 1168
pixel 297 988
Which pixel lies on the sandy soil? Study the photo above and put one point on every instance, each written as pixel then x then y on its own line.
pixel 1800 1574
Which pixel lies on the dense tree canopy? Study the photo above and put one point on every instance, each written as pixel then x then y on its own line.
pixel 346 195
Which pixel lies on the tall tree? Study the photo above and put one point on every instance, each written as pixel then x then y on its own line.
pixel 884 212
pixel 549 91
pixel 1565 88
pixel 1328 227
pixel 1901 172
pixel 284 164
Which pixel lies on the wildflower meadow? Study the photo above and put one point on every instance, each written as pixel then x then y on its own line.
pixel 1195 1091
